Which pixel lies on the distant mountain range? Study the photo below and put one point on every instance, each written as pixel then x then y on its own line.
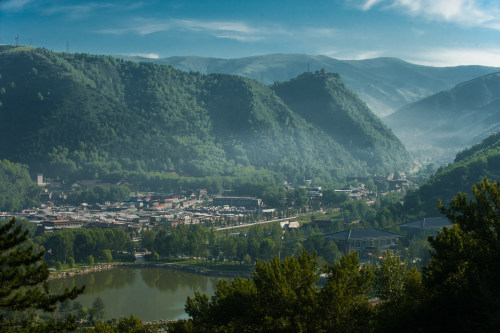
pixel 440 125
pixel 384 84
pixel 84 116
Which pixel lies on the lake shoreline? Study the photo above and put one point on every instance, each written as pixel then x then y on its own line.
pixel 171 266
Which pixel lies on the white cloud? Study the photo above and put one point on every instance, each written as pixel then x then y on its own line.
pixel 235 30
pixel 457 56
pixel 464 12
pixel 85 9
pixel 13 5
pixel 368 4
pixel 77 11
pixel 145 55
pixel 353 54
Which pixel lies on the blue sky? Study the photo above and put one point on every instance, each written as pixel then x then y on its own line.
pixel 429 32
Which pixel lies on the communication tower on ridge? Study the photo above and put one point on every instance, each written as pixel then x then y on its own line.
pixel 29 41
pixel 67 46
pixel 16 40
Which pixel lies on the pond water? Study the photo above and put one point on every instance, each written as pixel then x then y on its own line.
pixel 148 293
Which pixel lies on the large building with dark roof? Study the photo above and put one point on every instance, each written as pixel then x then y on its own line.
pixel 366 242
pixel 426 226
pixel 247 202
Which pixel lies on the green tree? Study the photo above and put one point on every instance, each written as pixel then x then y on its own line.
pixel 281 297
pixel 79 311
pixel 131 324
pixel 90 260
pixel 400 291
pixel 147 239
pixel 97 310
pixel 108 256
pixel 462 275
pixel 267 249
pixel 344 306
pixel 23 275
pixel 17 190
pixel 71 262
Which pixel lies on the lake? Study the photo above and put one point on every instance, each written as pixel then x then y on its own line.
pixel 148 293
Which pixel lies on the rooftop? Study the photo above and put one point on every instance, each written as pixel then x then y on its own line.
pixel 362 234
pixel 428 223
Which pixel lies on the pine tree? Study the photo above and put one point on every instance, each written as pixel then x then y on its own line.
pixel 24 274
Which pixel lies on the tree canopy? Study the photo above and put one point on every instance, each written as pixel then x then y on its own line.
pixel 463 271
pixel 23 275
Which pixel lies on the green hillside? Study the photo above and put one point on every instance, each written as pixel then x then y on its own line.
pixel 324 101
pixel 470 167
pixel 17 190
pixel 385 84
pixel 438 126
pixel 83 116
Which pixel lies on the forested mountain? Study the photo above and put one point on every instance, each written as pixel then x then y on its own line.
pixel 78 115
pixel 469 167
pixel 385 84
pixel 324 101
pixel 438 126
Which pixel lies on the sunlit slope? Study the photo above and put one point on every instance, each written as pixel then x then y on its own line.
pixel 94 115
pixel 324 101
pixel 469 167
pixel 385 84
pixel 439 126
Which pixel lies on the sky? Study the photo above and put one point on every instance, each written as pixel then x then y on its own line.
pixel 427 32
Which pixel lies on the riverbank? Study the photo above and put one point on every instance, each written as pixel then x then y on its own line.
pixel 173 266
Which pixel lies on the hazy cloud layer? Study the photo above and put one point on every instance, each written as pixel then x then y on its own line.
pixel 457 57
pixel 236 30
pixel 466 12
pixel 13 5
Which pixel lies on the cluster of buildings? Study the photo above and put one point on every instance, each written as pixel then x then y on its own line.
pixel 141 213
pixel 368 242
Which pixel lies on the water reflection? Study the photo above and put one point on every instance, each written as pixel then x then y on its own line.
pixel 97 282
pixel 149 293
pixel 172 280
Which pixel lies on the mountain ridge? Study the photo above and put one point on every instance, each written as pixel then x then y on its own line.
pixel 72 115
pixel 452 119
pixel 470 166
pixel 386 84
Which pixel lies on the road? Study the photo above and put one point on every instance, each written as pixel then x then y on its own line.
pixel 255 223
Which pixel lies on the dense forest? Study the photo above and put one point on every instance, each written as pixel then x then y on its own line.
pixel 323 100
pixel 78 116
pixel 469 167
pixel 17 190
pixel 385 84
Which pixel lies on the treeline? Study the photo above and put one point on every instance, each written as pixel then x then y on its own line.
pixel 259 243
pixel 470 166
pixel 17 190
pixel 86 245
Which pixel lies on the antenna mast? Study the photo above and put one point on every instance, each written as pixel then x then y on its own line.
pixel 67 46
pixel 16 40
